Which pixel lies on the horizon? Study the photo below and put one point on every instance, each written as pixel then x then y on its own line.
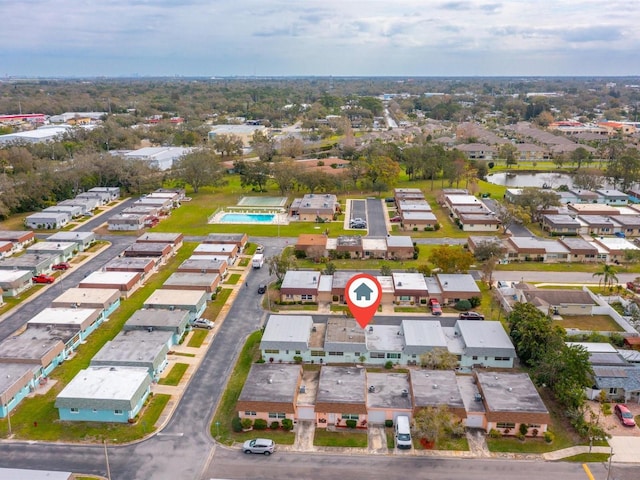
pixel 319 38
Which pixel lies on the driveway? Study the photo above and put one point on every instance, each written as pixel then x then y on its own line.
pixel 611 423
pixel 376 218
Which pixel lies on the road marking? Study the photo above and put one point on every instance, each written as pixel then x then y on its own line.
pixel 587 471
pixel 170 434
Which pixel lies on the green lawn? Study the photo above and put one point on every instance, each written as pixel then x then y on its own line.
pixel 249 249
pixel 597 323
pixel 244 262
pixel 232 279
pixel 588 458
pixel 220 427
pixel 182 354
pixel 40 409
pixel 197 337
pixel 446 443
pixel 216 305
pixel 343 438
pixel 565 267
pixel 287 308
pixel 175 375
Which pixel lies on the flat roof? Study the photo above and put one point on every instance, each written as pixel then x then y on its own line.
pixel 271 383
pixel 204 280
pixel 418 216
pixel 28 260
pixel 71 236
pixel 160 237
pixel 132 263
pixel 110 278
pixel 286 330
pixel 88 296
pixel 12 372
pixel 615 243
pixel 399 241
pixel 422 334
pixel 341 330
pixel 176 297
pixel 484 334
pixel 34 343
pixel 456 199
pixel 435 387
pixel 134 347
pixel 69 317
pixel 13 275
pixel 374 244
pixel 341 385
pixel 594 347
pixel 157 318
pixel 20 474
pixel 457 282
pixel 510 392
pixel 51 246
pixel 226 248
pixel 390 390
pixel 384 338
pixel 105 383
pixel 409 281
pixel 202 263
pixel 299 279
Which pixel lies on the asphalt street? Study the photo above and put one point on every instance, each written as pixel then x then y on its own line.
pixel 376 220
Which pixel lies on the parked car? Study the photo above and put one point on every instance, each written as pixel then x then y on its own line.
pixel 259 445
pixel 395 219
pixel 203 323
pixel 620 234
pixel 260 249
pixel 262 288
pixel 624 414
pixel 471 316
pixel 62 266
pixel 435 307
pixel 358 220
pixel 42 278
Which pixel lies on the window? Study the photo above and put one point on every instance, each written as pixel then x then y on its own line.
pixel 73 410
pixel 336 354
pixel 534 425
pixel 268 350
pixel 376 355
pixel 357 354
pixel 306 297
pixel 277 415
pixel 248 413
pixel 613 391
pixel 405 298
pixel 288 295
pixel 393 355
pixel 502 359
pixel 505 425
pixel 475 357
pixel 297 352
pixel 117 412
pixel 95 410
pixel 317 353
pixel 350 416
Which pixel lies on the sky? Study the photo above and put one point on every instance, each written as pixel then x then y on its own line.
pixel 319 37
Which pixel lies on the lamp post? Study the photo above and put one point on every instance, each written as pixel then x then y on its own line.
pixel 217 429
pixel 8 420
pixel 609 468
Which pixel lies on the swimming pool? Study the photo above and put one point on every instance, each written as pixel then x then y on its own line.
pixel 247 218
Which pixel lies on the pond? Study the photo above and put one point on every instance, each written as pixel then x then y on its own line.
pixel 545 179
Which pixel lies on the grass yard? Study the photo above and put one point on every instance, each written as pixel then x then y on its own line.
pixel 565 267
pixel 447 443
pixel 244 262
pixel 249 249
pixel 233 279
pixel 41 408
pixel 588 458
pixel 197 337
pixel 220 427
pixel 597 323
pixel 289 308
pixel 182 354
pixel 348 438
pixel 216 305
pixel 175 375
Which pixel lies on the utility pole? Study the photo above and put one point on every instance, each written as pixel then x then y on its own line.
pixel 106 457
pixel 609 468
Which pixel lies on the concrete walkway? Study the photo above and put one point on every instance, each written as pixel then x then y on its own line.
pixel 571 451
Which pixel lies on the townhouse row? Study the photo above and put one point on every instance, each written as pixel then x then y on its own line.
pixel 335 394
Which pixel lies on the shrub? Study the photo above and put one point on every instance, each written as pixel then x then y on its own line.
pixel 320 163
pixel 548 437
pixel 388 423
pixel 274 425
pixel 415 229
pixel 388 365
pixel 287 424
pixel 352 423
pixel 236 424
pixel 260 424
pixel 606 409
pixel 297 359
pixel 475 302
pixel 463 305
pixel 493 433
pixel 246 423
pixel 520 436
pixel 300 254
pixel 260 360
pixel 423 301
pixel 436 227
pixel 523 428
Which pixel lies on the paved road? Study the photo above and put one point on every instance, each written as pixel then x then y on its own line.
pixel 231 464
pixel 376 218
pixel 358 209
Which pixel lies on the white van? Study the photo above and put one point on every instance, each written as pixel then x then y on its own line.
pixel 403 432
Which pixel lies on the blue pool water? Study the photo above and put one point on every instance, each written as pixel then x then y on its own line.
pixel 247 218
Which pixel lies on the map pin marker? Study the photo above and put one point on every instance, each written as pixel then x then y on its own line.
pixel 363 293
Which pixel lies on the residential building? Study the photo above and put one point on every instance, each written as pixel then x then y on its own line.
pixel 314 206
pixel 341 396
pixel 173 239
pixel 81 321
pixel 406 194
pixel 104 299
pixel 194 301
pixel 432 388
pixel 536 249
pixel 486 222
pixel 418 220
pixel 113 192
pixel 146 266
pixel 629 225
pixel 410 288
pixel 239 239
pixel 560 224
pixel 104 394
pixel 125 282
pixel 580 250
pixel 14 282
pixel 82 240
pixel 593 209
pixel 127 222
pixel 161 251
pixel 20 239
pixel 387 397
pixel 313 245
pixel 510 400
pixel 47 221
pixel 595 225
pixel 616 247
pixel 300 286
pixel 64 251
pixel 559 302
pixel 480 344
pixel 35 263
pixel 400 247
pixel 174 321
pixel 612 197
pixel 270 393
pixel 620 384
pixel 200 264
pixel 220 249
pixel 455 287
pixel 74 211
pixel 193 281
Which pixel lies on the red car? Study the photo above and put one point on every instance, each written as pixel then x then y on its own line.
pixel 435 307
pixel 42 278
pixel 625 415
pixel 395 219
pixel 61 266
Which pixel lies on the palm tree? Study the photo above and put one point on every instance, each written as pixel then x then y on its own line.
pixel 607 275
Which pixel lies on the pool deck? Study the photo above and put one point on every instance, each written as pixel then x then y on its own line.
pixel 278 218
